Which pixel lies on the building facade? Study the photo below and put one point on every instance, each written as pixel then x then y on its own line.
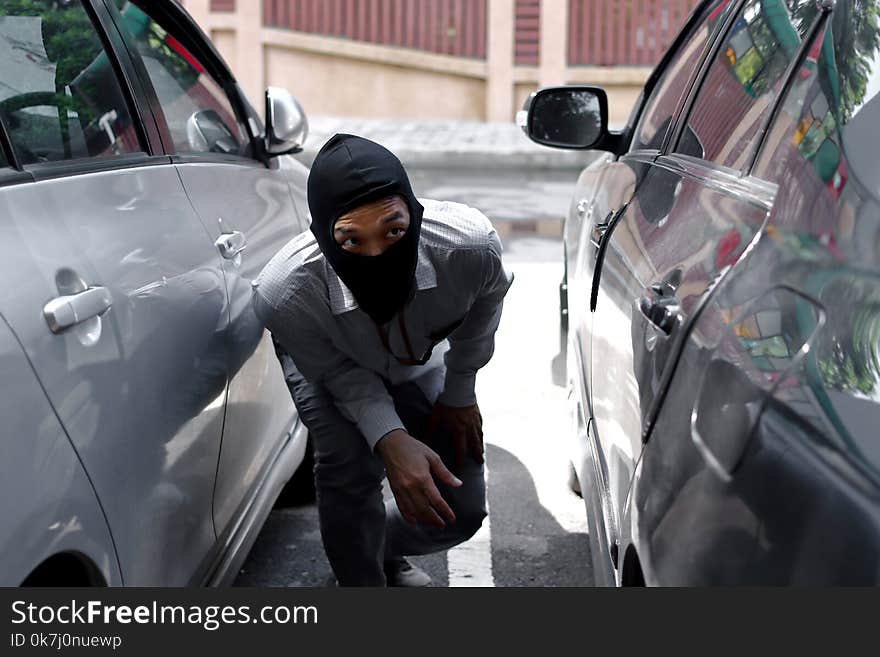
pixel 439 59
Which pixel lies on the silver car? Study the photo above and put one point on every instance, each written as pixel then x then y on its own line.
pixel 146 426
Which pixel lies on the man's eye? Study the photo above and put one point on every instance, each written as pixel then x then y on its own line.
pixel 396 232
pixel 351 241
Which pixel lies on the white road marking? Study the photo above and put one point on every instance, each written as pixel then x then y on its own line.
pixel 470 563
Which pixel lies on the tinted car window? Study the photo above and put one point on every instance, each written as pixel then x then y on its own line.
pixel 744 79
pixel 59 96
pixel 664 100
pixel 199 115
pixel 823 151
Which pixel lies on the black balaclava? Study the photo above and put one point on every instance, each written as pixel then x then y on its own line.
pixel 349 172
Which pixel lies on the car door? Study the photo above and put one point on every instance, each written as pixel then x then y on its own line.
pixel 248 210
pixel 763 467
pixel 113 287
pixel 603 191
pixel 692 217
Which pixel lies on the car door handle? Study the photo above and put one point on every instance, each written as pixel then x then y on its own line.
pixel 63 312
pixel 663 312
pixel 231 244
pixel 670 283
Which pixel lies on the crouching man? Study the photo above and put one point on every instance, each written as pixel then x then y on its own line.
pixel 387 308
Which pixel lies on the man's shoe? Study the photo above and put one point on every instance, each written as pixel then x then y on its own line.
pixel 400 572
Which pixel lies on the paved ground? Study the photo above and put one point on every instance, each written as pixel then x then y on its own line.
pixel 537 530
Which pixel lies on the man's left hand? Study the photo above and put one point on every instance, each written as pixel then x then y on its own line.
pixel 465 427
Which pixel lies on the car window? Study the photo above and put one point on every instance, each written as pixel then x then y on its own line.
pixel 744 79
pixel 197 110
pixel 664 100
pixel 59 96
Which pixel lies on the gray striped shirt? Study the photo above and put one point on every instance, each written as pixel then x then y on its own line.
pixel 461 284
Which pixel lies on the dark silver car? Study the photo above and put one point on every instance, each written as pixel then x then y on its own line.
pixel 146 427
pixel 723 302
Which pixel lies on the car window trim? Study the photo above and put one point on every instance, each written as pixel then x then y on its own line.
pixel 180 25
pixel 706 66
pixel 10 176
pixel 66 168
pixel 7 149
pixel 818 27
pixel 215 158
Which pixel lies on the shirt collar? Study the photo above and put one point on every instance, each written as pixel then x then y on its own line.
pixel 343 301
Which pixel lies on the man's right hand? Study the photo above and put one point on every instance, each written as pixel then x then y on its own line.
pixel 409 464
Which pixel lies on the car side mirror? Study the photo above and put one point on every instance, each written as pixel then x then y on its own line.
pixel 574 117
pixel 286 124
pixel 207 133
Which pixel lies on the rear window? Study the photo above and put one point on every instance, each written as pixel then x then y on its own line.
pixel 59 96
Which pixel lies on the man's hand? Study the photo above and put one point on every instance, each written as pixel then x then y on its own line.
pixel 409 464
pixel 465 426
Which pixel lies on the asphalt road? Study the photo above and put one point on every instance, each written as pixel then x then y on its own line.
pixel 536 533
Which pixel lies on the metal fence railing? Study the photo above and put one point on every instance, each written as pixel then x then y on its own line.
pixel 623 32
pixel 450 27
pixel 222 5
pixel 600 32
pixel 528 32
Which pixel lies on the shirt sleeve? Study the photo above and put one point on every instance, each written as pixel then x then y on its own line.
pixel 472 344
pixel 359 394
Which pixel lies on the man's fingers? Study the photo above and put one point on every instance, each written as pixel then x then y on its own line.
pixel 431 518
pixel 438 504
pixel 405 505
pixel 439 470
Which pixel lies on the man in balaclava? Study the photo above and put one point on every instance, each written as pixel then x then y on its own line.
pixel 387 308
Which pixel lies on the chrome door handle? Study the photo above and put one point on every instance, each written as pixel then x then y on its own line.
pixel 669 284
pixel 63 312
pixel 663 313
pixel 231 244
